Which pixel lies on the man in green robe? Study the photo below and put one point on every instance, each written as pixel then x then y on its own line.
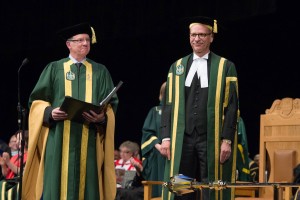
pixel 200 115
pixel 153 161
pixel 69 159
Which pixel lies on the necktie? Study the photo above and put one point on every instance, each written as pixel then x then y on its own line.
pixel 78 64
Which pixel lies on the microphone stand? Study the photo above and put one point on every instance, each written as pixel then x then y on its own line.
pixel 21 124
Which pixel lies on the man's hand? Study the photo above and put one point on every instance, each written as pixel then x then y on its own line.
pixel 225 152
pixel 93 117
pixel 165 149
pixel 58 114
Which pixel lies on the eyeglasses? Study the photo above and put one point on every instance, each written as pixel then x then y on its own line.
pixel 200 35
pixel 81 40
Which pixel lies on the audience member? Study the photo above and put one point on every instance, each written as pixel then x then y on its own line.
pixel 127 152
pixel 13 145
pixel 153 161
pixel 129 161
pixel 11 165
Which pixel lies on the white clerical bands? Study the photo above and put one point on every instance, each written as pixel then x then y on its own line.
pixel 199 65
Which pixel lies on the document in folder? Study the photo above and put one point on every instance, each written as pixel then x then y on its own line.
pixel 75 107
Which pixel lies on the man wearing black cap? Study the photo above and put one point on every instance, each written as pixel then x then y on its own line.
pixel 200 113
pixel 69 159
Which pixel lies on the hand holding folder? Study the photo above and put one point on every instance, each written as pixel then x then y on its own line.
pixel 75 107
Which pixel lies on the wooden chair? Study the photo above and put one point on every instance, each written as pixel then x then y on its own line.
pixel 148 189
pixel 279 145
pixel 245 191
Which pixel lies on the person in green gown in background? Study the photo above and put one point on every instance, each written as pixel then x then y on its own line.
pixel 242 160
pixel 69 159
pixel 153 161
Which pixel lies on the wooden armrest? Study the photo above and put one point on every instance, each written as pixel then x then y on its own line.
pixel 148 188
pixel 152 182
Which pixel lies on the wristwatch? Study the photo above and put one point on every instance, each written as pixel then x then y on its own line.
pixel 226 141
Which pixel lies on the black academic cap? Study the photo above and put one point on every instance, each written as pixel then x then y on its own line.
pixel 81 28
pixel 211 23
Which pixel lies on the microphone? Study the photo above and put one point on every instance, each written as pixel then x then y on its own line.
pixel 24 62
pixel 21 120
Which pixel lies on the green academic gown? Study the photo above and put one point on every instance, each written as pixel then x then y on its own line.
pixel 70 164
pixel 223 84
pixel 153 161
pixel 242 162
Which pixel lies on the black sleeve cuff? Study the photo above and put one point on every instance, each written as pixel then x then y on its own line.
pixel 48 120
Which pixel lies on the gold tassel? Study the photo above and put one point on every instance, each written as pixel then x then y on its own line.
pixel 93 36
pixel 215 26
